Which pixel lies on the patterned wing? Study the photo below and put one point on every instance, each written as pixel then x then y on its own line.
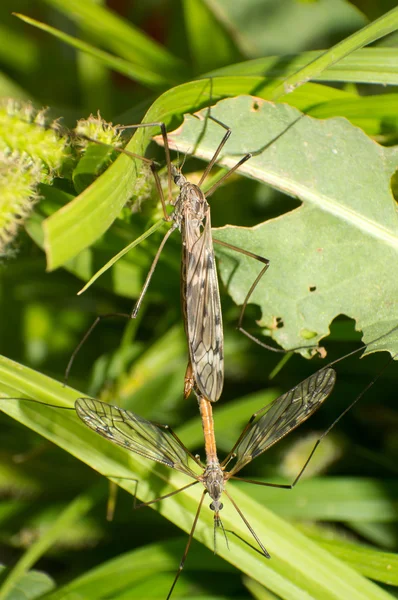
pixel 203 310
pixel 283 415
pixel 126 429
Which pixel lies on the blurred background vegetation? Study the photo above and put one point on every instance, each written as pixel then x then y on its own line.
pixel 141 365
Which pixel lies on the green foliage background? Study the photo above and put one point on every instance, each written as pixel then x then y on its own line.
pixel 149 56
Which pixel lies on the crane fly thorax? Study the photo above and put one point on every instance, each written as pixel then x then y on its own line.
pixel 193 204
pixel 213 480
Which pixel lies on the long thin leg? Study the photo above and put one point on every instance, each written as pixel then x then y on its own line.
pixel 246 522
pixel 228 174
pixel 262 259
pixel 232 532
pixel 142 504
pixel 242 160
pixel 184 556
pixel 231 454
pixel 218 150
pixel 37 402
pixel 152 165
pixel 151 271
pixel 87 335
pixel 239 327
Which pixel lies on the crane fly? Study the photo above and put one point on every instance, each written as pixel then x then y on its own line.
pixel 160 444
pixel 200 295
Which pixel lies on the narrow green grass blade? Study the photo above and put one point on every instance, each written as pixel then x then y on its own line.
pixel 135 72
pixel 379 566
pixel 335 499
pixel 121 37
pixel 383 26
pixel 79 507
pixel 299 569
pixel 113 260
pixel 129 571
pixel 366 65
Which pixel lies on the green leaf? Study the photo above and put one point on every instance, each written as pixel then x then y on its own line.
pixel 335 254
pixel 299 568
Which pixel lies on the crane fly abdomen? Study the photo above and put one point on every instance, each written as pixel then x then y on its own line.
pixel 199 293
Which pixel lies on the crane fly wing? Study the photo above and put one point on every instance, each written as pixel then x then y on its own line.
pixel 203 310
pixel 126 429
pixel 282 415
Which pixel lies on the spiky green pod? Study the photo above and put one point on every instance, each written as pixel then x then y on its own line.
pixel 31 152
pixel 95 128
pixel 28 132
pixel 19 177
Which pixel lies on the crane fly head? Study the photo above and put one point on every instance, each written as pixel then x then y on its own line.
pixel 213 480
pixel 178 177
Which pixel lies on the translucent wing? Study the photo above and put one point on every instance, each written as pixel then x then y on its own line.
pixel 203 309
pixel 282 415
pixel 126 429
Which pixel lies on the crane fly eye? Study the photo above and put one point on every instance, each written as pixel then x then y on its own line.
pixel 212 506
pixel 221 506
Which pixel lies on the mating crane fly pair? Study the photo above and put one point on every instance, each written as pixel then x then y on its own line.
pixel 204 376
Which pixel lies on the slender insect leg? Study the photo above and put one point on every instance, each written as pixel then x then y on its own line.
pixel 151 271
pixel 228 174
pixel 261 259
pixel 184 556
pixel 246 522
pixel 215 156
pixel 218 150
pixel 86 336
pixel 237 249
pixel 169 495
pixel 239 327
